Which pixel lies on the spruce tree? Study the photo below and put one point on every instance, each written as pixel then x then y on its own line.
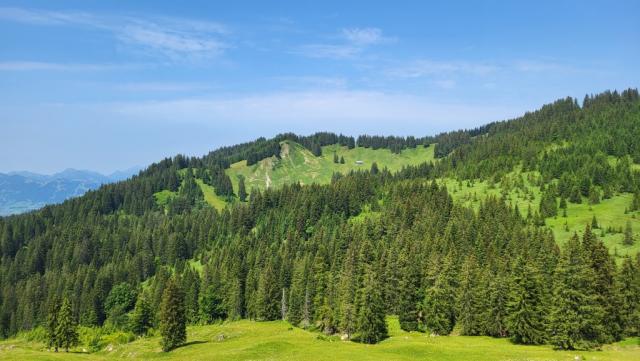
pixel 628 234
pixel 51 327
pixel 173 321
pixel 142 317
pixel 525 322
pixel 439 301
pixel 67 328
pixel 268 295
pixel 575 315
pixel 211 305
pixel 629 290
pixel 497 305
pixel 242 190
pixel 470 300
pixel 410 296
pixel 296 294
pixel 371 323
pixel 604 285
pixel 635 203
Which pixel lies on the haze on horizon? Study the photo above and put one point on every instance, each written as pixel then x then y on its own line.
pixel 105 87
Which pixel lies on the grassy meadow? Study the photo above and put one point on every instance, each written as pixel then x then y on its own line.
pixel 277 340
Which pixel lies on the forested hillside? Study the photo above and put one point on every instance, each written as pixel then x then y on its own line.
pixel 340 256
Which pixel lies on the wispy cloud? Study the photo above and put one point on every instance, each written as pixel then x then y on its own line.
pixel 164 37
pixel 425 67
pixel 531 66
pixel 353 42
pixel 363 36
pixel 335 108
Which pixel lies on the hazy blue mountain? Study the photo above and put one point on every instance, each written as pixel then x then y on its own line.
pixel 24 191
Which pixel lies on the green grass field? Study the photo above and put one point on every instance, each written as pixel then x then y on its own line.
pixel 297 164
pixel 248 340
pixel 610 213
pixel 210 196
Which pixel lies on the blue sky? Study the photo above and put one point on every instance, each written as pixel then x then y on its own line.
pixel 107 85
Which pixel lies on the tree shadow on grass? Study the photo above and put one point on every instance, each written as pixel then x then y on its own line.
pixel 190 343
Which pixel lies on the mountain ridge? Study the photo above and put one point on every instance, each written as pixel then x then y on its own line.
pixel 23 191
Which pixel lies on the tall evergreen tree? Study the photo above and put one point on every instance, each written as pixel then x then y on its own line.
pixel 173 322
pixel 242 191
pixel 439 301
pixel 525 322
pixel 470 299
pixel 628 234
pixel 629 290
pixel 371 324
pixel 51 326
pixel 575 315
pixel 268 295
pixel 410 295
pixel 67 328
pixel 142 317
pixel 604 286
pixel 497 305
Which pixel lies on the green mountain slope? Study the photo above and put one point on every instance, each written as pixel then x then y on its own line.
pixel 461 237
pixel 298 164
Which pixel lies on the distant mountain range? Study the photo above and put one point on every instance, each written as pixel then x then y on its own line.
pixel 24 191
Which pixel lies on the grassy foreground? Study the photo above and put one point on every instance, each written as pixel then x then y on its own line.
pixel 248 340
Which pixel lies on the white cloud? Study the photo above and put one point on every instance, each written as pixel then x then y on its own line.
pixel 363 36
pixel 355 42
pixel 328 51
pixel 173 44
pixel 540 66
pixel 426 67
pixel 166 37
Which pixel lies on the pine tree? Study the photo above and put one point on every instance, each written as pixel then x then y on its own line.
pixel 371 325
pixel 142 317
pixel 629 290
pixel 439 301
pixel 628 234
pixel 470 299
pixel 173 322
pixel 525 322
pixel 594 195
pixel 497 305
pixel 268 295
pixel 335 157
pixel 374 168
pixel 67 328
pixel 296 294
pixel 51 326
pixel 211 305
pixel 410 295
pixel 635 203
pixel 242 191
pixel 575 315
pixel 604 286
pixel 341 159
